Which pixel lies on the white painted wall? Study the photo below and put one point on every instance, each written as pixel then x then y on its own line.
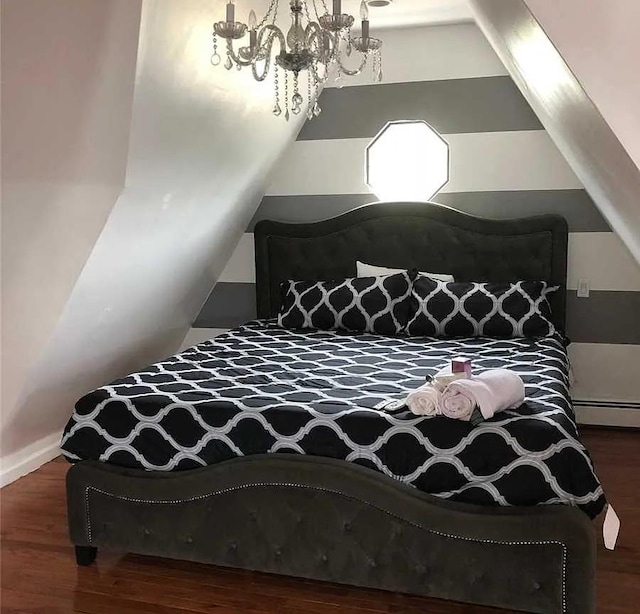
pixel 599 40
pixel 203 141
pixel 447 52
pixel 68 72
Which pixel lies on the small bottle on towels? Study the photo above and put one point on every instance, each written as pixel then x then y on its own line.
pixel 461 365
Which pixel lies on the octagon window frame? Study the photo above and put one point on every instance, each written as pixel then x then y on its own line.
pixel 389 125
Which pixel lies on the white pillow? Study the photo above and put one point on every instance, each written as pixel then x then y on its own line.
pixel 370 270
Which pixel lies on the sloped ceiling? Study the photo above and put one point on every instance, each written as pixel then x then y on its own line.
pixel 68 74
pixel 601 46
pixel 202 143
pixel 568 113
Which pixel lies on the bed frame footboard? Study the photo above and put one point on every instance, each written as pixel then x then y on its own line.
pixel 336 521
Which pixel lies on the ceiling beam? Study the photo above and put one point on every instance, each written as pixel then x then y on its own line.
pixel 567 112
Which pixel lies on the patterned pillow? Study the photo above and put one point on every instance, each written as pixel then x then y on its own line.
pixel 472 309
pixel 359 304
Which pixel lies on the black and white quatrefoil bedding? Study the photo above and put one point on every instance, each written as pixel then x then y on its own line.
pixel 260 388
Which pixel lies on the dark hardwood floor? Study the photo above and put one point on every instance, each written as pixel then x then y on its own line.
pixel 39 574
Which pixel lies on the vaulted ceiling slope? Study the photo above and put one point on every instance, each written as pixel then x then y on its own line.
pixel 68 72
pixel 580 115
pixel 106 274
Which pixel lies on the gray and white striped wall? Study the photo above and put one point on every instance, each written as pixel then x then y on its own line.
pixel 503 164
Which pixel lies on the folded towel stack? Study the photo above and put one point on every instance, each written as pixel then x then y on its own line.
pixel 456 395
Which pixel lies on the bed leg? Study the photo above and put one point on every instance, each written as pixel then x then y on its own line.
pixel 85 555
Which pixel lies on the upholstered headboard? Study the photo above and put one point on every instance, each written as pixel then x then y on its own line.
pixel 426 236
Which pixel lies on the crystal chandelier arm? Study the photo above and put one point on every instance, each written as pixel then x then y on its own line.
pixel 324 42
pixel 235 57
pixel 272 32
pixel 314 36
pixel 313 29
pixel 347 71
pixel 265 69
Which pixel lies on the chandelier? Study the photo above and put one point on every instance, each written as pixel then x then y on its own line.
pixel 317 49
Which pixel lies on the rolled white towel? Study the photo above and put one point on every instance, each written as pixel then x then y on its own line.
pixel 457 403
pixel 424 401
pixel 492 391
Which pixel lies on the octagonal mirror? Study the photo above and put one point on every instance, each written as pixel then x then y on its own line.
pixel 407 161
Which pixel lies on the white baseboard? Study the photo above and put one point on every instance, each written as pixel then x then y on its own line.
pixel 608 413
pixel 29 459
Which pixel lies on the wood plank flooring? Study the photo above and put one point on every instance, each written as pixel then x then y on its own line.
pixel 39 574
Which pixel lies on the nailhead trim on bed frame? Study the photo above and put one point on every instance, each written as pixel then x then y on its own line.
pixel 341 494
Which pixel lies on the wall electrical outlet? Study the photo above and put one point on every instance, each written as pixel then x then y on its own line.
pixel 583 288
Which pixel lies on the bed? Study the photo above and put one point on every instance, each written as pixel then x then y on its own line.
pixel 264 448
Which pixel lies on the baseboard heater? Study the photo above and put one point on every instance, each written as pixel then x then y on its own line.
pixel 608 413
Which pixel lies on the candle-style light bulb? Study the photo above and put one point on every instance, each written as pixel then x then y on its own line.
pixel 364 14
pixel 253 34
pixel 231 11
pixel 337 7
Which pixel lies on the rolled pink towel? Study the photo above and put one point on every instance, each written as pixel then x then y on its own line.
pixel 424 401
pixel 492 391
pixel 457 403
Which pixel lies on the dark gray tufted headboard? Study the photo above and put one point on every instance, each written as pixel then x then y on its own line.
pixel 426 236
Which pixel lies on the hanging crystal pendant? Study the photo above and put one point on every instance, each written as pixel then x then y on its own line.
pixel 215 58
pixel 228 64
pixel 277 111
pixel 316 110
pixel 286 115
pixel 296 103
